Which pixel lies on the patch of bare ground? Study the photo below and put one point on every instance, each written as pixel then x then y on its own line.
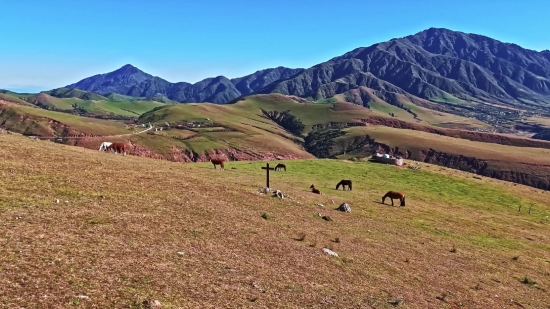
pixel 190 236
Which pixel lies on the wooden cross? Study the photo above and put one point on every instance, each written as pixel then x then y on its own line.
pixel 267 168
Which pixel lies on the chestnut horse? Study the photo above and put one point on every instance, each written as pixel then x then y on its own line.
pixel 394 195
pixel 218 162
pixel 315 190
pixel 280 166
pixel 117 147
pixel 344 183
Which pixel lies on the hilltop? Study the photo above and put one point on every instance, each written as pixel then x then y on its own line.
pixel 127 229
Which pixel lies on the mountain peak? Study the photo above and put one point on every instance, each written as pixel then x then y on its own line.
pixel 128 69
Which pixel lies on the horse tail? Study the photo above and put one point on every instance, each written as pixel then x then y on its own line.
pixel 403 201
pixel 350 185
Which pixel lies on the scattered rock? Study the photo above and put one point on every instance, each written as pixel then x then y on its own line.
pixel 280 194
pixel 416 168
pixel 332 201
pixel 180 253
pixel 330 252
pixel 265 190
pixel 66 202
pixel 320 205
pixel 344 207
pixel 151 304
pixel 57 201
pixel 257 286
pixel 83 297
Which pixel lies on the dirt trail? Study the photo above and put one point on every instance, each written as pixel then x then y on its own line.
pixel 102 136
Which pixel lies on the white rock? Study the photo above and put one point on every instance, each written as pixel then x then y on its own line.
pixel 330 252
pixel 57 201
pixel 181 253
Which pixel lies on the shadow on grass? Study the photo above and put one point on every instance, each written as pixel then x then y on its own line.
pixel 380 203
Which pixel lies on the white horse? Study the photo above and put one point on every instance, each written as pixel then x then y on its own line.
pixel 104 146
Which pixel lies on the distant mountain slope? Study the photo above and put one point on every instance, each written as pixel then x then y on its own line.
pixel 131 81
pixel 432 64
pixel 437 65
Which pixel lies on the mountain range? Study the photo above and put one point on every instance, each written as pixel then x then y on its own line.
pixel 436 65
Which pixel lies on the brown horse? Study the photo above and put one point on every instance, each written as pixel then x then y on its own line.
pixel 344 183
pixel 280 166
pixel 117 147
pixel 316 191
pixel 218 162
pixel 394 195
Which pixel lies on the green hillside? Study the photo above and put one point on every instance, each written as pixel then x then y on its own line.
pixel 86 103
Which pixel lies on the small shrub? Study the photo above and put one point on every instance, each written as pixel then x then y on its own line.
pixel 265 216
pixel 528 281
pixel 337 240
pixel 515 258
pixel 453 249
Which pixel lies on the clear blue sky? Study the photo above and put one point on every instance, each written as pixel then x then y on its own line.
pixel 46 44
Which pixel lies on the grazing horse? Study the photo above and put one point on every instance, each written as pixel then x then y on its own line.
pixel 104 146
pixel 344 183
pixel 218 162
pixel 117 147
pixel 394 195
pixel 315 190
pixel 280 166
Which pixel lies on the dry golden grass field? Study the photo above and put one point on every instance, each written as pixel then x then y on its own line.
pixel 113 239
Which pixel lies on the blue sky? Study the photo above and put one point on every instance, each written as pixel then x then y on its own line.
pixel 49 44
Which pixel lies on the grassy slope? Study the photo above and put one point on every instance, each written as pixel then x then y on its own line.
pixel 252 131
pixel 424 115
pixel 100 105
pixel 81 124
pixel 117 238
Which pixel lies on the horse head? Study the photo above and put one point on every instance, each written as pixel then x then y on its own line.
pixel 312 187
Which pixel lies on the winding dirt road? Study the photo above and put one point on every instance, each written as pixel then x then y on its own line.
pixel 103 136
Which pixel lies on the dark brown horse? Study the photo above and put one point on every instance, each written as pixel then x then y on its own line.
pixel 394 195
pixel 280 166
pixel 316 191
pixel 219 162
pixel 117 147
pixel 344 183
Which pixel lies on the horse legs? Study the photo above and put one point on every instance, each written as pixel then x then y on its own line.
pixel 391 201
